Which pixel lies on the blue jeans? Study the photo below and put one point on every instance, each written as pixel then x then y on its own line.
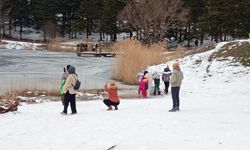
pixel 175 96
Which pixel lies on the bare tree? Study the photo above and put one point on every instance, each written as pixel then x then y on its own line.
pixel 152 18
pixel 49 30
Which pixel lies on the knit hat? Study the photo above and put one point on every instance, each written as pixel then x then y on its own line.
pixel 166 69
pixel 67 67
pixel 112 85
pixel 176 65
pixel 71 70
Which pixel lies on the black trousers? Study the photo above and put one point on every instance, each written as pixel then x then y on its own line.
pixel 175 96
pixel 110 103
pixel 69 99
pixel 166 86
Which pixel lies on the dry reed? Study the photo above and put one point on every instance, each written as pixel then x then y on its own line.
pixel 134 58
pixel 30 88
pixel 56 45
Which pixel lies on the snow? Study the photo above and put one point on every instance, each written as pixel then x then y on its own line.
pixel 20 45
pixel 215 109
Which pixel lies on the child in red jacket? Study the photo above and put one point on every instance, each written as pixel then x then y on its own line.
pixel 143 86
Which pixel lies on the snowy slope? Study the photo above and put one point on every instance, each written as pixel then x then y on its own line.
pixel 215 109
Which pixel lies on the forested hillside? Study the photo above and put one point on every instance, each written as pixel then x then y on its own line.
pixel 148 20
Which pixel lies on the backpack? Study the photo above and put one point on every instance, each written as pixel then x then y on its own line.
pixel 77 85
pixel 165 77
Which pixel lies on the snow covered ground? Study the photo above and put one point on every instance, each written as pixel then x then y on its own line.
pixel 20 45
pixel 215 110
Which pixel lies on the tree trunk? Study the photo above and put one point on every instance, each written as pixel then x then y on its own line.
pixel 115 34
pixel 87 28
pixel 180 36
pixel 100 36
pixel 10 26
pixel 176 34
pixel 189 34
pixel 21 28
pixel 44 37
pixel 63 24
pixel 185 34
pixel 202 39
pixel 3 27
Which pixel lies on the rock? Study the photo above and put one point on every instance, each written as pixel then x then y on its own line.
pixel 6 106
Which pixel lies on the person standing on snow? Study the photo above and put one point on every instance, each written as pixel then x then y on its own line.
pixel 143 86
pixel 165 78
pixel 148 76
pixel 70 92
pixel 113 98
pixel 175 81
pixel 156 77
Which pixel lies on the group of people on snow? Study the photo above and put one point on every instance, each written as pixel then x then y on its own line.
pixel 69 82
pixel 174 78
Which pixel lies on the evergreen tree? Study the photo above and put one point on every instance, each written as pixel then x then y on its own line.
pixel 20 13
pixel 87 14
pixel 111 9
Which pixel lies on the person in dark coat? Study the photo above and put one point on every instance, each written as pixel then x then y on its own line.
pixel 166 78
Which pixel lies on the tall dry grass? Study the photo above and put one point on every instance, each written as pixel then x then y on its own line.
pixel 56 45
pixel 29 88
pixel 134 58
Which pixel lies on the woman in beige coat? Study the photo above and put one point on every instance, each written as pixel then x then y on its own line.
pixel 69 92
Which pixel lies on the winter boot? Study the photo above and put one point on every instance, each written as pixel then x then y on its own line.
pixel 63 113
pixel 177 108
pixel 110 108
pixel 116 107
pixel 159 93
pixel 172 110
pixel 154 93
pixel 166 92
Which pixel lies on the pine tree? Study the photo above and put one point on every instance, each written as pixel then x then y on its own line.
pixel 111 9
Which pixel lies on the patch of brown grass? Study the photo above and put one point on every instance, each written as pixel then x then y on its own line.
pixel 30 88
pixel 135 58
pixel 181 52
pixel 239 51
pixel 56 45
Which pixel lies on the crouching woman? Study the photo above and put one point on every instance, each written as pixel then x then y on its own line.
pixel 113 98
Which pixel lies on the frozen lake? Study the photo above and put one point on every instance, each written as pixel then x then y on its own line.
pixel 26 68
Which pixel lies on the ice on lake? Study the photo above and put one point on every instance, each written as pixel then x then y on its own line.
pixel 44 69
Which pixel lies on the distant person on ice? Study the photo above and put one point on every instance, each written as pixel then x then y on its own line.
pixel 113 98
pixel 166 78
pixel 63 79
pixel 70 92
pixel 143 87
pixel 156 77
pixel 175 81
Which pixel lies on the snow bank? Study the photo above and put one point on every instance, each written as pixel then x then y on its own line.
pixel 214 115
pixel 20 45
